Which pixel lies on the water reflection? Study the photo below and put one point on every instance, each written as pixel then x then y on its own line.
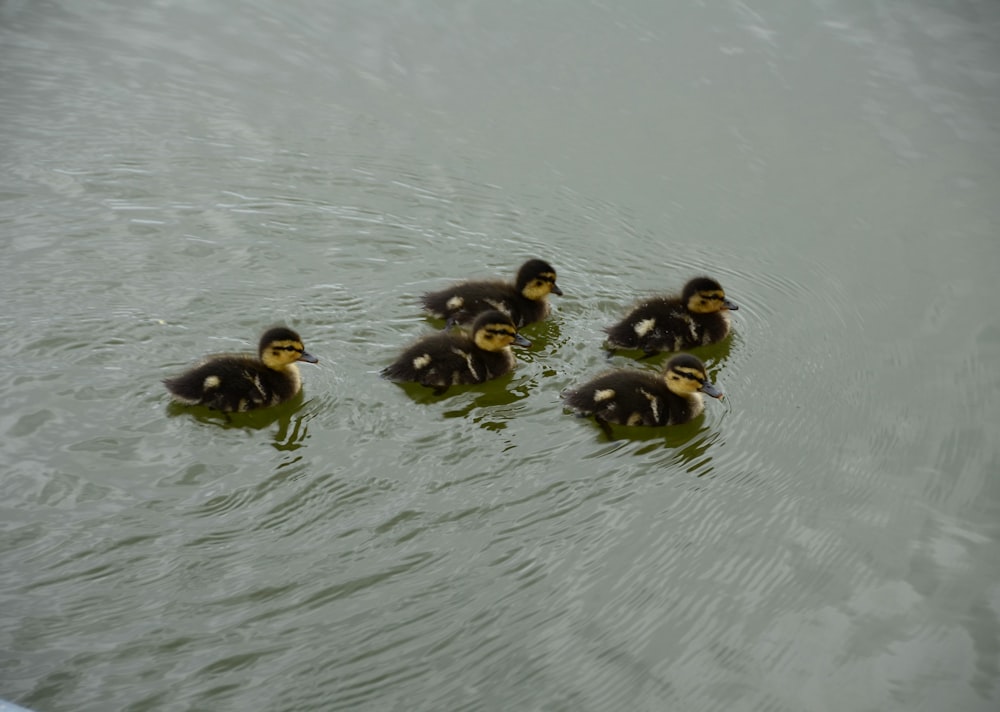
pixel 291 431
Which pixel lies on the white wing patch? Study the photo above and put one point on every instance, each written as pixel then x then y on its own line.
pixel 603 394
pixel 422 361
pixel 499 305
pixel 454 303
pixel 644 327
pixel 692 327
pixel 654 404
pixel 211 382
pixel 468 362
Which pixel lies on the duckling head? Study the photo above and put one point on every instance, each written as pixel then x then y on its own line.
pixel 495 331
pixel 703 295
pixel 280 347
pixel 685 375
pixel 536 279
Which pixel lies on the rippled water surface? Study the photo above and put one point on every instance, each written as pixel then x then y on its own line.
pixel 178 175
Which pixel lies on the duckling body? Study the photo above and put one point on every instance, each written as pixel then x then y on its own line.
pixel 448 358
pixel 697 317
pixel 242 382
pixel 524 300
pixel 632 397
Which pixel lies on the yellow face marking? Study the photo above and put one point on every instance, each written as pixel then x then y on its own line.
pixel 455 303
pixel 683 380
pixel 421 361
pixel 603 394
pixel 211 382
pixel 280 354
pixel 540 286
pixel 707 302
pixel 495 337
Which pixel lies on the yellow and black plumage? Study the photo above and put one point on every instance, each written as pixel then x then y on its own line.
pixel 451 358
pixel 242 382
pixel 524 300
pixel 632 397
pixel 698 316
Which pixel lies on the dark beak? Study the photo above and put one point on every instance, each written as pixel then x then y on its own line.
pixel 556 290
pixel 729 305
pixel 308 357
pixel 521 341
pixel 709 389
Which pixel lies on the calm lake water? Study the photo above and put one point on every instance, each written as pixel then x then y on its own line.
pixel 179 175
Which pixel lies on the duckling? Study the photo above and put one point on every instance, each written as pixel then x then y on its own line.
pixel 242 382
pixel 632 397
pixel 446 358
pixel 697 317
pixel 524 300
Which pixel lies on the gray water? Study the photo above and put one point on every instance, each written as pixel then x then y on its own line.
pixel 178 175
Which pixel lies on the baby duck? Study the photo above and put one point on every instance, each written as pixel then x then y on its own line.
pixel 524 300
pixel 697 317
pixel 447 358
pixel 242 382
pixel 632 397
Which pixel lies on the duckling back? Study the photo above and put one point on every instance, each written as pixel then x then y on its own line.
pixel 524 300
pixel 663 324
pixel 446 359
pixel 629 397
pixel 234 384
pixel 697 317
pixel 633 397
pixel 241 382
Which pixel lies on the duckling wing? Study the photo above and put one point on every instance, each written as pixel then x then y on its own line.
pixel 655 325
pixel 232 383
pixel 622 397
pixel 461 303
pixel 439 360
pixel 442 360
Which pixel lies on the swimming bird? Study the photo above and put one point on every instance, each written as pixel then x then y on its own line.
pixel 698 316
pixel 524 300
pixel 451 358
pixel 632 397
pixel 242 382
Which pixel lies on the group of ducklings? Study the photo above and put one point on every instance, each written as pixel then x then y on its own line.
pixel 493 311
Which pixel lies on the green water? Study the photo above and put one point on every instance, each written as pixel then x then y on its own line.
pixel 179 175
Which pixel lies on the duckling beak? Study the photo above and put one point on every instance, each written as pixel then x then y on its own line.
pixel 308 357
pixel 556 290
pixel 521 341
pixel 710 389
pixel 731 306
